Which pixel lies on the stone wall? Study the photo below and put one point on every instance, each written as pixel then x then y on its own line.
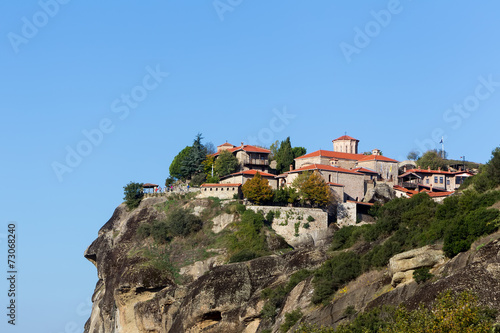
pixel 290 223
pixel 221 192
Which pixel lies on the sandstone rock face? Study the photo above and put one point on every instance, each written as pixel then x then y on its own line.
pixel 130 297
pixel 218 297
pixel 381 193
pixel 402 265
pixel 426 256
pixel 222 221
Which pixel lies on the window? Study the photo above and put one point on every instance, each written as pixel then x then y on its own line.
pixel 440 180
pixel 447 182
pixel 435 179
pixel 427 181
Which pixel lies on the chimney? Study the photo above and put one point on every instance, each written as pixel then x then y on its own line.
pixel 242 143
pixel 429 168
pixel 291 167
pixel 439 169
pixel 431 187
pixel 404 168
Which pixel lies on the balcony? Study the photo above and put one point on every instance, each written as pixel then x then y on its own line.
pixel 255 161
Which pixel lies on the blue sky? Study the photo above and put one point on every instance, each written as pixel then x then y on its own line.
pixel 127 86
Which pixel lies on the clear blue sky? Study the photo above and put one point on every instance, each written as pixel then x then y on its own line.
pixel 388 73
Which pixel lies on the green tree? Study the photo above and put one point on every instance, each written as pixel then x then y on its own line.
pixel 133 194
pixel 298 151
pixel 413 155
pixel 493 167
pixel 192 164
pixel 226 164
pixel 274 150
pixel 432 159
pixel 257 189
pixel 284 156
pixel 175 166
pixel 313 189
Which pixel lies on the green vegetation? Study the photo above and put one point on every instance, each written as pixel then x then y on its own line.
pixel 334 273
pixel 284 154
pixel 313 190
pixel 290 319
pixel 285 196
pixel 133 195
pixel 275 297
pixel 248 240
pixel 420 275
pixel 433 160
pixel 451 312
pixel 225 164
pixel 404 224
pixel 257 190
pixel 175 166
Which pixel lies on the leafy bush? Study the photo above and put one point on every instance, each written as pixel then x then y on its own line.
pixel 334 273
pixel 198 179
pixel 248 238
pixel 133 195
pixel 270 217
pixel 243 255
pixel 181 223
pixel 276 296
pixel 290 319
pixel 306 225
pixel 420 275
pixel 310 218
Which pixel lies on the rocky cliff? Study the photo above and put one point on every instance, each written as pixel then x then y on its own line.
pixel 214 296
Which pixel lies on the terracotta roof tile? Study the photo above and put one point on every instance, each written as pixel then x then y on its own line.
pixel 335 184
pixel 376 158
pixel 219 185
pixel 247 148
pixel 345 137
pixel 250 173
pixel 324 167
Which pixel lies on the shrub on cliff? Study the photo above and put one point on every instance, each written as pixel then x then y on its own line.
pixel 248 240
pixel 133 194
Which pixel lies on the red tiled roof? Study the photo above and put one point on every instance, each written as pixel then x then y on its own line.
pixel 251 173
pixel 439 194
pixel 427 171
pixel 346 156
pixel 225 144
pixel 332 154
pixel 365 170
pixel 346 137
pixel 219 185
pixel 324 167
pixel 247 148
pixel 403 189
pixel 335 184
pixel 376 157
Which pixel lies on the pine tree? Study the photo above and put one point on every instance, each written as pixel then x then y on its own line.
pixel 284 156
